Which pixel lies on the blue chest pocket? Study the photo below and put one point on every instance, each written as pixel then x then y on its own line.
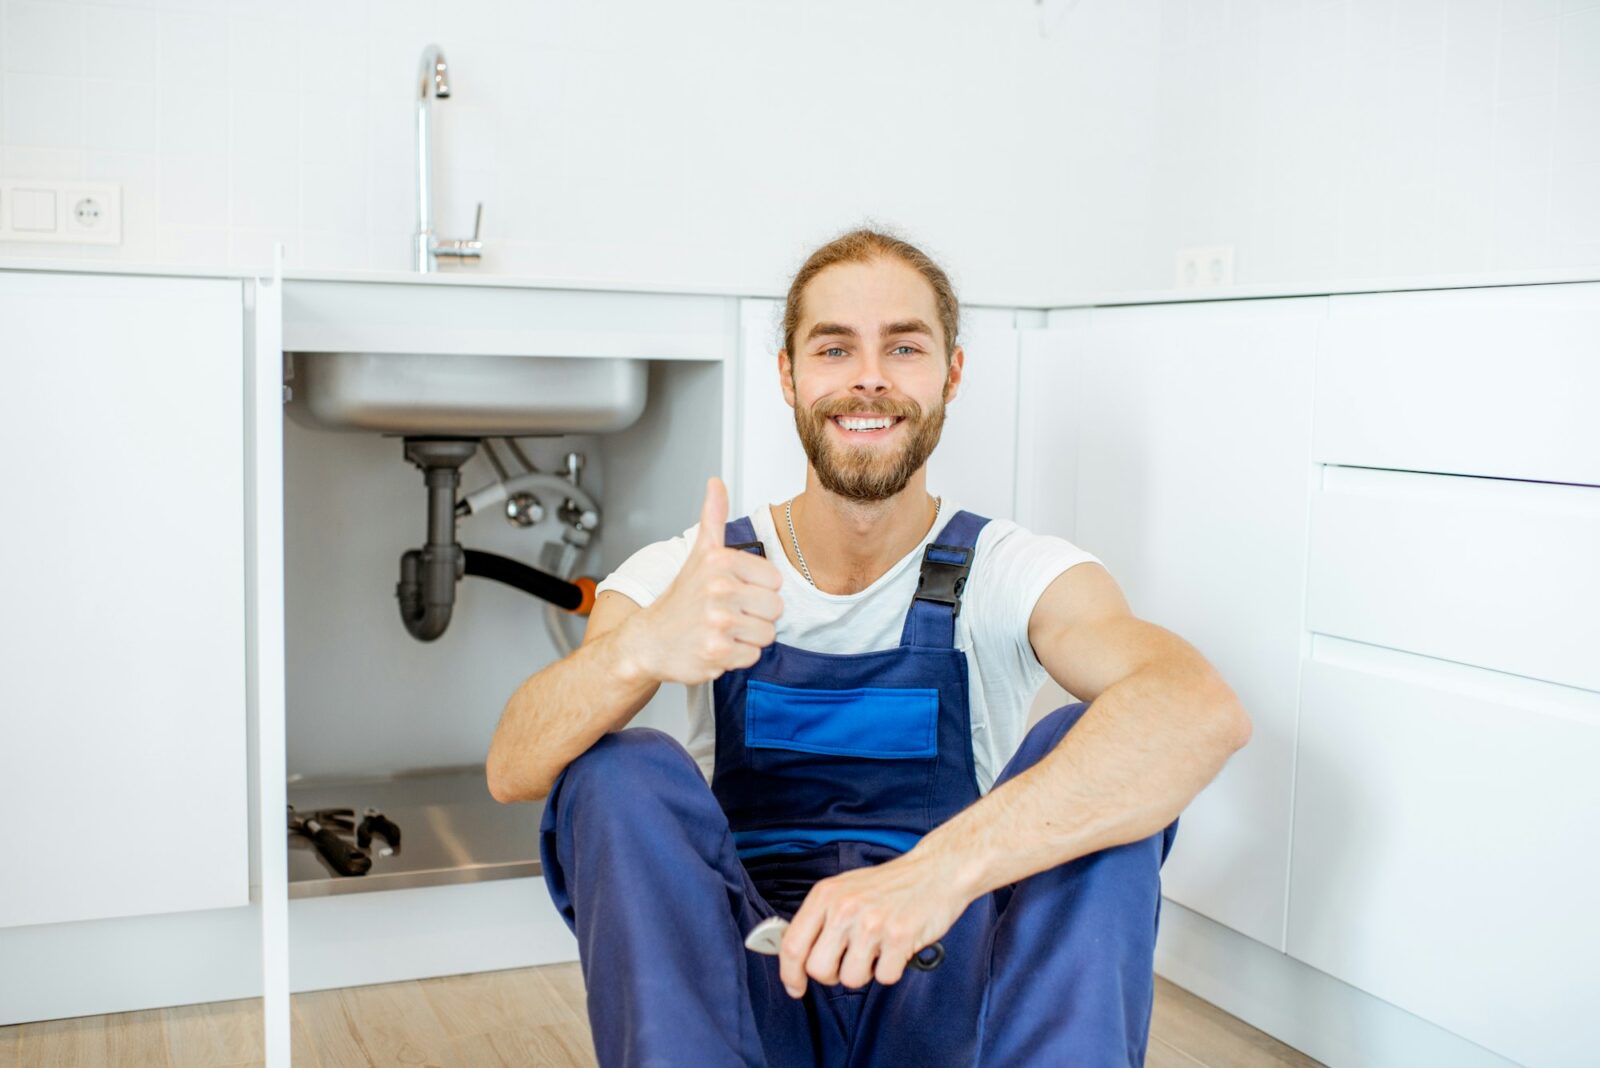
pixel 875 723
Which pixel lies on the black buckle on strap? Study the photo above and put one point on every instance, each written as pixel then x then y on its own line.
pixel 942 580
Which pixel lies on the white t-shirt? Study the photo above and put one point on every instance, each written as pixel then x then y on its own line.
pixel 1010 570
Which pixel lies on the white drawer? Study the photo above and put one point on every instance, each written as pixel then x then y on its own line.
pixel 1502 381
pixel 1491 572
pixel 1443 853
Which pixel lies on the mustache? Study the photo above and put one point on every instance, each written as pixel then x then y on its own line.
pixel 906 409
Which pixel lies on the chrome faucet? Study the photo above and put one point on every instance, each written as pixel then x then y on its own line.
pixel 433 81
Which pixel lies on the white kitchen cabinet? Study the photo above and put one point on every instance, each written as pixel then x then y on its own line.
pixel 1444 818
pixel 1193 475
pixel 974 463
pixel 122 702
pixel 1498 381
pixel 1048 372
pixel 1487 571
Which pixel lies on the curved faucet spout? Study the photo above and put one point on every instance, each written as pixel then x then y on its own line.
pixel 434 73
pixel 433 83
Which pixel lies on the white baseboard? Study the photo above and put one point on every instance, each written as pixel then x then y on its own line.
pixel 1332 1021
pixel 393 935
pixel 53 971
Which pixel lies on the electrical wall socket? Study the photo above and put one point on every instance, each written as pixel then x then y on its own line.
pixel 79 213
pixel 1205 268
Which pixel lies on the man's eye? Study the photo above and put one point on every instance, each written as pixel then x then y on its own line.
pixel 908 348
pixel 832 350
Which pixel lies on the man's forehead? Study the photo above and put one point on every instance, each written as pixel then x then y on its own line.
pixel 885 296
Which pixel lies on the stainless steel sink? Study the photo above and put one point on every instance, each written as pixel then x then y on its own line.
pixel 466 396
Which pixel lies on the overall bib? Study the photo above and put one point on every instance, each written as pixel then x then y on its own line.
pixel 827 762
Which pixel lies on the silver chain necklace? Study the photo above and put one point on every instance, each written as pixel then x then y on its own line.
pixel 788 515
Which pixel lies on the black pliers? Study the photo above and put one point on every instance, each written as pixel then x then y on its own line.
pixel 386 829
pixel 322 828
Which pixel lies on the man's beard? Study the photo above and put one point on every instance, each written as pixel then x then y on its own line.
pixel 869 472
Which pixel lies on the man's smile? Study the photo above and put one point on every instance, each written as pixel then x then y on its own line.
pixel 866 427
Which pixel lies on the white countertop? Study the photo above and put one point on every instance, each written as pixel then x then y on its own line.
pixel 469 277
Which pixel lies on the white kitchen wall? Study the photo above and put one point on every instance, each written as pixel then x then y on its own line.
pixel 1334 140
pixel 1044 150
pixel 705 142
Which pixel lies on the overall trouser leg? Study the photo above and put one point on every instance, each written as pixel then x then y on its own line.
pixel 640 863
pixel 1054 970
pixel 1071 969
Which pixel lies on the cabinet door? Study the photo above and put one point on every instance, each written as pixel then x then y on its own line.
pixel 974 463
pixel 1194 471
pixel 1443 846
pixel 1469 381
pixel 1048 368
pixel 122 702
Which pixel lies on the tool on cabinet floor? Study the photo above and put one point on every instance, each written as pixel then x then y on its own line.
pixel 322 828
pixel 374 821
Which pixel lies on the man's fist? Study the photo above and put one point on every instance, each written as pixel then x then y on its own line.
pixel 719 612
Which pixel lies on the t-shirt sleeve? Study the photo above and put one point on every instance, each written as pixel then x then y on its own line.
pixel 646 574
pixel 1021 565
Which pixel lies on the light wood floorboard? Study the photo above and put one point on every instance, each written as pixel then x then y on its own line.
pixel 518 1018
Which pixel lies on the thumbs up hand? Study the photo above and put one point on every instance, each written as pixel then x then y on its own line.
pixel 719 612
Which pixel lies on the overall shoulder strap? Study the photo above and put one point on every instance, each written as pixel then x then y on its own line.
pixel 946 562
pixel 741 534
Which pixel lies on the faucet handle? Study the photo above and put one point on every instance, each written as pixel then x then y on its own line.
pixel 464 248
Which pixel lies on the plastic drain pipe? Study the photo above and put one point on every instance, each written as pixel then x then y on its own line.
pixel 428 576
pixel 427 587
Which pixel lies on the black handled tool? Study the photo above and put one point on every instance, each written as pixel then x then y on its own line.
pixel 345 858
pixel 387 829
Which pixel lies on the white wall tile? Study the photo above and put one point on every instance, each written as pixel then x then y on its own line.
pixel 1580 49
pixel 43 110
pixel 1528 58
pixel 333 198
pixel 121 43
pixel 191 119
pixel 200 246
pixel 119 115
pixel 194 49
pixel 18 161
pixel 262 124
pixel 264 194
pixel 194 190
pixel 42 38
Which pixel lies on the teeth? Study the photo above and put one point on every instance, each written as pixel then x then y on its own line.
pixel 865 424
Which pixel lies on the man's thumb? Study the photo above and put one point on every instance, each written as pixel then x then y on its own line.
pixel 713 515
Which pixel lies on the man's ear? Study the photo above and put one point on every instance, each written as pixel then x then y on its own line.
pixel 957 360
pixel 785 376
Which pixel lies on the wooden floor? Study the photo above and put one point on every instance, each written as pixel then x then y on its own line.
pixel 530 1016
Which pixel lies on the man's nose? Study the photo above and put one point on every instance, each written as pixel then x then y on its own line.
pixel 869 375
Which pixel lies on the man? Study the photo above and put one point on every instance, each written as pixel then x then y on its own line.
pixel 860 663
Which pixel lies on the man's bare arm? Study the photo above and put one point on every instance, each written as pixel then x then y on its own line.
pixel 559 712
pixel 717 615
pixel 1160 725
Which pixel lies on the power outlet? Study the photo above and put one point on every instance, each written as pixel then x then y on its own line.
pixel 78 213
pixel 1205 268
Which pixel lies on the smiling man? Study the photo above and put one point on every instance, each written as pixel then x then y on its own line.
pixel 860 663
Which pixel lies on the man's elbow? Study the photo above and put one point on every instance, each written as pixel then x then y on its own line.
pixel 1224 712
pixel 508 789
pixel 1233 722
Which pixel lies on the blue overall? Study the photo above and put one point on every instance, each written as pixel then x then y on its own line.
pixel 827 762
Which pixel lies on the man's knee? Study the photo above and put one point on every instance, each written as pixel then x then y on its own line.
pixel 625 762
pixel 1042 737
